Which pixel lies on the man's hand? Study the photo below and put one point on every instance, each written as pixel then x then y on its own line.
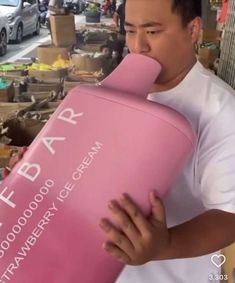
pixel 139 239
pixel 15 158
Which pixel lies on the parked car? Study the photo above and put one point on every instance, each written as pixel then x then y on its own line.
pixel 23 17
pixel 75 6
pixel 4 34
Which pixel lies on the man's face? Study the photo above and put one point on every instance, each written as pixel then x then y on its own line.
pixel 154 30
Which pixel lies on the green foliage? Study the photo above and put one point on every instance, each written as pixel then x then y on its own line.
pixel 92 7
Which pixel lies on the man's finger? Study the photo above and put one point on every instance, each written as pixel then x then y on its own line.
pixel 134 213
pixel 124 222
pixel 116 237
pixel 116 252
pixel 158 210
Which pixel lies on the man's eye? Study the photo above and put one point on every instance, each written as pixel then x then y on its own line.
pixel 153 31
pixel 130 31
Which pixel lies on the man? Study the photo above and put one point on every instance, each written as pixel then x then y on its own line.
pixel 181 240
pixel 107 7
pixel 113 6
pixel 119 19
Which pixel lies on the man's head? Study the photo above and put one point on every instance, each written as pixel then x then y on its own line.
pixel 165 30
pixel 187 9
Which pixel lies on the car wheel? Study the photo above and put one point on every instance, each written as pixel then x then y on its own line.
pixel 3 42
pixel 38 27
pixel 19 34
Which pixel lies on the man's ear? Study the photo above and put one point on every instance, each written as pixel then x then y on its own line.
pixel 194 28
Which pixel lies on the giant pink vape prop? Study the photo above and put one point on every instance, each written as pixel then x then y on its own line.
pixel 102 141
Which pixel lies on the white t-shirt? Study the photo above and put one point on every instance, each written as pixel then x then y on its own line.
pixel 208 180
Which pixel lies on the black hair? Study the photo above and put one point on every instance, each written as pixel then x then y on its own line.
pixel 187 9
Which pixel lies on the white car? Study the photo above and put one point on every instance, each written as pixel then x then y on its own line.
pixel 4 34
pixel 23 17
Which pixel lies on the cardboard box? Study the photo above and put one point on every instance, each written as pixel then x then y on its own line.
pixel 57 75
pixel 210 36
pixel 88 63
pixel 38 96
pixel 9 109
pixel 44 87
pixel 91 47
pixel 96 36
pixel 7 94
pixel 12 73
pixel 207 56
pixel 63 30
pixel 48 54
pixel 69 85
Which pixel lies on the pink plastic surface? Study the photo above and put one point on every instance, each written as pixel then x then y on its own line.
pixel 102 141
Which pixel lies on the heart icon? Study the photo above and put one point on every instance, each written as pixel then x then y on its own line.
pixel 218 260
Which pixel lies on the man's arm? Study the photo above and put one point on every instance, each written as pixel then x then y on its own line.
pixel 204 234
pixel 116 19
pixel 142 239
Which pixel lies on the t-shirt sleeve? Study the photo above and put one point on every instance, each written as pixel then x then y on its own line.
pixel 216 160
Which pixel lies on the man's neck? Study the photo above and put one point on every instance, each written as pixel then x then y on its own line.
pixel 167 85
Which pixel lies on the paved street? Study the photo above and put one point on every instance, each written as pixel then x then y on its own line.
pixel 27 48
pixel 15 51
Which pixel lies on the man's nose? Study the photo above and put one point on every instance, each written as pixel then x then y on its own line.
pixel 141 44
